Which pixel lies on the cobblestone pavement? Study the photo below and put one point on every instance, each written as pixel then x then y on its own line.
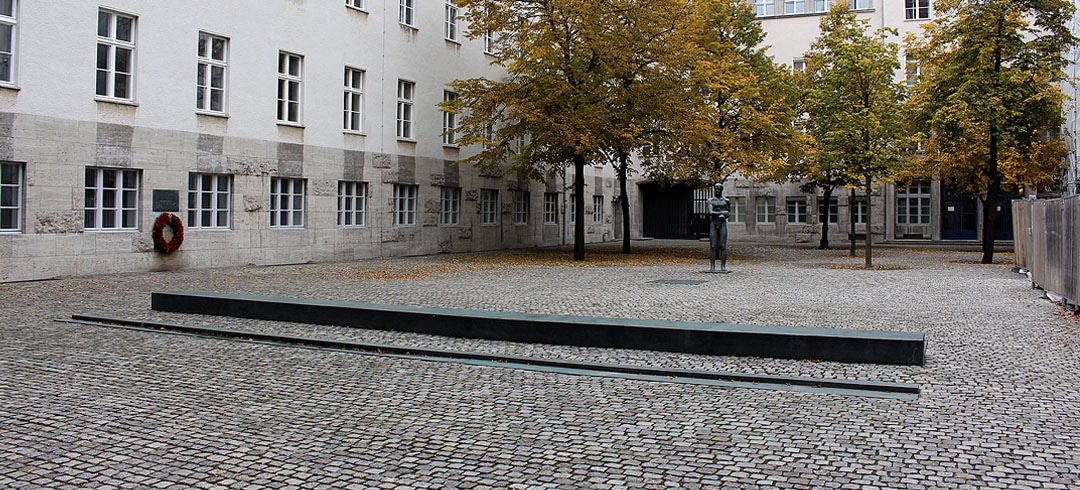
pixel 93 407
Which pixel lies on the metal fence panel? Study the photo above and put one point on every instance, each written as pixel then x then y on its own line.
pixel 1047 243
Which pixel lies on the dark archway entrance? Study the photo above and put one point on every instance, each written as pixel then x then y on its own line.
pixel 668 211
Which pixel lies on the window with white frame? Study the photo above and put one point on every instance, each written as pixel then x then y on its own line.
pixel 354 100
pixel 407 12
pixel 911 70
pixel 916 9
pixel 111 199
pixel 356 4
pixel 521 207
pixel 287 204
pixel 213 65
pixel 598 209
pixel 405 94
pixel 352 204
pixel 450 214
pixel 551 208
pixel 8 23
pixel 209 201
pixel 829 212
pixel 573 208
pixel 11 196
pixel 796 210
pixel 860 4
pixel 819 5
pixel 405 204
pixel 913 204
pixel 115 56
pixel 489 206
pixel 794 6
pixel 798 64
pixel 861 211
pixel 451 21
pixel 520 142
pixel 489 42
pixel 764 7
pixel 290 83
pixel 737 209
pixel 766 209
pixel 449 121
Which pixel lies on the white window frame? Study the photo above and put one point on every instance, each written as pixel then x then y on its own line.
pixel 489 207
pixel 766 210
pixel 795 6
pixel 405 196
pixel 861 210
pixel 489 42
pixel 357 4
pixel 206 84
pixel 829 212
pixel 8 57
pixel 572 206
pixel 598 209
pixel 406 93
pixel 125 196
pixel 818 6
pixel 352 204
pixel 764 7
pixel 450 209
pixel 453 26
pixel 110 48
pixel 913 204
pixel 917 9
pixel 737 209
pixel 209 201
pixel 551 208
pixel 450 121
pixel 860 4
pixel 912 70
pixel 521 207
pixel 290 90
pixel 797 210
pixel 12 181
pixel 407 13
pixel 798 65
pixel 288 202
pixel 353 107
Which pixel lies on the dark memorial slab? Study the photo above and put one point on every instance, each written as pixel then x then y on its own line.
pixel 842 345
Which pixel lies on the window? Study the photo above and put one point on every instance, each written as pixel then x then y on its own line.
pixel 916 9
pixel 794 6
pixel 766 209
pixel 737 210
pixel 289 84
pixel 356 4
pixel 860 4
pixel 798 64
pixel 573 208
pixel 11 196
pixel 819 5
pixel 911 69
pixel 489 206
pixel 829 212
pixel 913 204
pixel 521 207
pixel 112 199
pixel 405 204
pixel 354 100
pixel 407 12
pixel 115 55
pixel 352 204
pixel 287 203
pixel 489 42
pixel 861 211
pixel 405 109
pixel 7 41
pixel 451 21
pixel 449 121
pixel 796 210
pixel 451 206
pixel 209 200
pixel 213 63
pixel 551 208
pixel 764 7
pixel 598 209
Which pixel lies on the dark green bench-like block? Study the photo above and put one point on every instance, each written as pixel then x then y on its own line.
pixel 723 339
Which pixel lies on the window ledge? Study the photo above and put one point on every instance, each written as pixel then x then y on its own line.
pixel 354 133
pixel 452 41
pixel 356 9
pixel 291 124
pixel 9 86
pixel 406 140
pixel 223 115
pixel 107 100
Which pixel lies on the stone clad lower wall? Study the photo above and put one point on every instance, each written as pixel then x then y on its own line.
pixel 56 152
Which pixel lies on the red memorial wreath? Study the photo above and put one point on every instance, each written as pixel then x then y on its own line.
pixel 170 220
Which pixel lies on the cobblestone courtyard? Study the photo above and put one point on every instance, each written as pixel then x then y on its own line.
pixel 93 407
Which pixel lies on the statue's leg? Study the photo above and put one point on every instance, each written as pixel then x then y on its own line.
pixel 713 238
pixel 722 238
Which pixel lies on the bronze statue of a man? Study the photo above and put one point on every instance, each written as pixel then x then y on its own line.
pixel 719 208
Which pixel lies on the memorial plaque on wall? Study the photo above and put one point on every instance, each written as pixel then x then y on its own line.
pixel 166 201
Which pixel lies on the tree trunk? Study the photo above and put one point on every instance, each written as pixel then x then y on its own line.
pixel 989 210
pixel 579 207
pixel 624 201
pixel 869 233
pixel 826 195
pixel 851 219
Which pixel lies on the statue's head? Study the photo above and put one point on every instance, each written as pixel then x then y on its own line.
pixel 718 188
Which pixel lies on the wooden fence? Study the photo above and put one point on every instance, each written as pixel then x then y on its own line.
pixel 1047 243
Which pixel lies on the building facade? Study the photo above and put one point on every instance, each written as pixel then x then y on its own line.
pixel 307 132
